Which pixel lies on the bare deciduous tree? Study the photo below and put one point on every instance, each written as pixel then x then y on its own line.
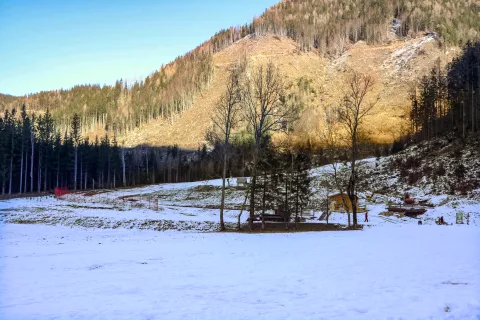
pixel 352 111
pixel 331 142
pixel 225 117
pixel 266 111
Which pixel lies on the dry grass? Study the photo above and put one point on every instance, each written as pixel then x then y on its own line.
pixel 387 122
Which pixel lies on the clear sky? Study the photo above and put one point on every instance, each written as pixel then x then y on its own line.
pixel 53 44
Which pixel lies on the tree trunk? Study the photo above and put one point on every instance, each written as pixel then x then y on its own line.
pixel 58 173
pixel 296 204
pixel 39 172
pixel 11 175
pixel 464 118
pixel 75 170
pixel 45 177
pixel 21 171
pixel 263 199
pixel 26 172
pixel 222 201
pixel 32 160
pixel 124 179
pixel 81 171
pixel 472 107
pixel 252 191
pixel 286 217
pixel 241 211
pixel 108 172
pixel 328 208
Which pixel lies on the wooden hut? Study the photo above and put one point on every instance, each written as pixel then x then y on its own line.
pixel 337 203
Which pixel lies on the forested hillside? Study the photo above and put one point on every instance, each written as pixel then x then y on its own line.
pixel 323 28
pixel 330 26
pixel 449 100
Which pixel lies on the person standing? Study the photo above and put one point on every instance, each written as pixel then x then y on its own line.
pixel 366 217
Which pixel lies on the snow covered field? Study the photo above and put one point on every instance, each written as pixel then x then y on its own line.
pixel 194 206
pixel 99 255
pixel 390 272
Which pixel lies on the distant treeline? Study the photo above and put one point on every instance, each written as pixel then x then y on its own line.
pixel 35 157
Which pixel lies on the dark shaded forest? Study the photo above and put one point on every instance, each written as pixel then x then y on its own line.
pixel 35 157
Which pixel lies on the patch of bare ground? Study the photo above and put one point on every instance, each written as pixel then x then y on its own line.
pixel 278 227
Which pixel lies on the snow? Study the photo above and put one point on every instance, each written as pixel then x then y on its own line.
pixel 399 58
pixel 195 205
pixel 100 256
pixel 181 205
pixel 389 272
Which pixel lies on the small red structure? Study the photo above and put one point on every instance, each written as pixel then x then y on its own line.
pixel 409 200
pixel 61 192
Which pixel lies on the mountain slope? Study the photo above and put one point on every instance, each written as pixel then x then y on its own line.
pixel 312 41
pixel 393 66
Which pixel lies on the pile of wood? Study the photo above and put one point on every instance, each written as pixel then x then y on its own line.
pixel 409 211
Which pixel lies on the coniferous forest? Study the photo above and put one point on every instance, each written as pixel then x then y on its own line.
pixel 36 157
pixel 449 100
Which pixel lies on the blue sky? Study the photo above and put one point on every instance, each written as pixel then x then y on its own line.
pixel 47 45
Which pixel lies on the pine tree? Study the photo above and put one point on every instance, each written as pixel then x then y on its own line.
pixel 75 136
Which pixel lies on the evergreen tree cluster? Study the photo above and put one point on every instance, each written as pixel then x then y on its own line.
pixel 284 183
pixel 36 157
pixel 449 101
